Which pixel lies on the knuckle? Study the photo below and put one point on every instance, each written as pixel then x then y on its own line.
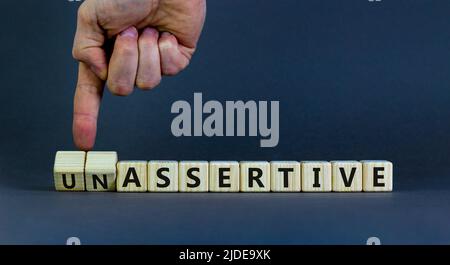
pixel 127 50
pixel 82 13
pixel 148 84
pixel 76 53
pixel 120 89
pixel 84 121
pixel 147 43
pixel 149 36
pixel 174 69
pixel 90 89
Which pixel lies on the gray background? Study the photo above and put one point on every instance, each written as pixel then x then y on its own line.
pixel 355 80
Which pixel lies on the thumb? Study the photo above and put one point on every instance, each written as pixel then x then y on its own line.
pixel 86 104
pixel 89 41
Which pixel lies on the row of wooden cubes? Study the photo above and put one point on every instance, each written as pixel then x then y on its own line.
pixel 101 171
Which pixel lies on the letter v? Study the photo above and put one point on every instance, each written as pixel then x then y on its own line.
pixel 347 182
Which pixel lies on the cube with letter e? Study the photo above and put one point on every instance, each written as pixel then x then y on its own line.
pixel 377 175
pixel 224 176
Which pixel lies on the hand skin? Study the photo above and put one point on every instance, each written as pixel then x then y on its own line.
pixel 152 38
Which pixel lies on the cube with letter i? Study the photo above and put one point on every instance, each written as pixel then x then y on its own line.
pixel 316 176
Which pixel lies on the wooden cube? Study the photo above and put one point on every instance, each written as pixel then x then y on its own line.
pixel 224 176
pixel 68 170
pixel 163 176
pixel 132 176
pixel 316 176
pixel 285 176
pixel 100 171
pixel 193 176
pixel 347 176
pixel 377 175
pixel 255 176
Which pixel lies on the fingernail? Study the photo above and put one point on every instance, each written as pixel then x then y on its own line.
pixel 129 32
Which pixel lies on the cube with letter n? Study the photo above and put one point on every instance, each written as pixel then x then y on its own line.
pixel 100 171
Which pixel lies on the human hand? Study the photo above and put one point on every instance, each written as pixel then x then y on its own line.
pixel 152 38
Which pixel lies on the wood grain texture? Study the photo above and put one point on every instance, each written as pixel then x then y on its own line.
pixel 347 176
pixel 193 176
pixel 68 170
pixel 285 176
pixel 316 176
pixel 377 175
pixel 255 176
pixel 224 176
pixel 100 171
pixel 132 176
pixel 163 176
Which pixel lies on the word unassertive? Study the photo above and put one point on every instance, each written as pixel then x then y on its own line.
pixel 101 171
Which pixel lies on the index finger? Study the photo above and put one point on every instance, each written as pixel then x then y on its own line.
pixel 86 106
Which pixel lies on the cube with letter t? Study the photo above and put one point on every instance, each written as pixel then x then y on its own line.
pixel 285 176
